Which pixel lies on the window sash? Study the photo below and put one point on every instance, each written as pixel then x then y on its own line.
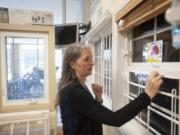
pixel 5 101
pixel 146 118
pixel 103 67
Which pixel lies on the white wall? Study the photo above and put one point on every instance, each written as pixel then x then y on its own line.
pixel 74 11
pixel 74 8
pixel 113 6
pixel 44 5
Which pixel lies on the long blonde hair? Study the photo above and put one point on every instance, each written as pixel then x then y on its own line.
pixel 72 53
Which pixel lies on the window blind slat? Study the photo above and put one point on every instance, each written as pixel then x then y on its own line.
pixel 126 9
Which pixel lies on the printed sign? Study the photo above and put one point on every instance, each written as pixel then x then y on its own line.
pixel 152 51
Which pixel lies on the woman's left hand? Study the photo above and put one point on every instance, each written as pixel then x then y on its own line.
pixel 97 90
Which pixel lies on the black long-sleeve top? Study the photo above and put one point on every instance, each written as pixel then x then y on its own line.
pixel 83 115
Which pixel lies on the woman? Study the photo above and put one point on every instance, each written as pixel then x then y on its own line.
pixel 81 113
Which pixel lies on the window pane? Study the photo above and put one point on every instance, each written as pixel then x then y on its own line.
pixel 144 115
pixel 9 40
pixel 98 59
pixel 25 64
pixel 161 22
pixel 138 78
pixel 133 90
pixel 170 54
pixel 155 48
pixel 5 129
pixel 41 41
pixel 25 41
pixel 161 124
pixel 167 86
pixel 9 61
pixel 138 47
pixel 143 29
pixel 37 127
pixel 20 128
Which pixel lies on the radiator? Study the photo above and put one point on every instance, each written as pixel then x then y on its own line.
pixel 25 123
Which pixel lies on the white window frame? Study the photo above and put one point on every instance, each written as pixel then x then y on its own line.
pixel 105 31
pixel 167 69
pixel 163 66
pixel 5 102
pixel 108 65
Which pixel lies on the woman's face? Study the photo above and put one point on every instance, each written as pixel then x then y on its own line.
pixel 84 65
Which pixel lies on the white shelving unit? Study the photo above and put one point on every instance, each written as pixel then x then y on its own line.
pixel 25 123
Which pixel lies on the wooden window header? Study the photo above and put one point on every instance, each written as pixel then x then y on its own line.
pixel 140 12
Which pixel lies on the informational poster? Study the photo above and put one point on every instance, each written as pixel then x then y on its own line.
pixel 42 18
pixel 21 16
pixel 152 51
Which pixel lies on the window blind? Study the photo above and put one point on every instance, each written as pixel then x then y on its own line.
pixel 142 11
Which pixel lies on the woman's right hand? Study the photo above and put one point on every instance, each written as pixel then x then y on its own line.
pixel 153 83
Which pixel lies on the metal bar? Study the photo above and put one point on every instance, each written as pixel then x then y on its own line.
pixel 135 84
pixel 159 92
pixel 148 116
pixel 172 105
pixel 165 116
pixel 151 34
pixel 107 77
pixel 144 36
pixel 45 127
pixel 164 29
pixel 101 61
pixel 139 92
pixel 155 28
pixel 168 94
pixel 174 92
pixel 132 95
pixel 27 128
pixel 27 120
pixel 156 111
pixel 164 110
pixel 12 129
pixel 128 96
pixel 179 109
pixel 148 126
pixel 159 107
